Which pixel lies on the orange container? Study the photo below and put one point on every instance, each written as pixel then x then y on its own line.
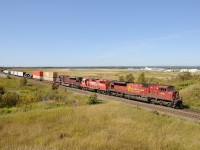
pixel 37 73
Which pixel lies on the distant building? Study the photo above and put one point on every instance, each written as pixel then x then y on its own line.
pixel 184 70
pixel 190 70
pixel 153 69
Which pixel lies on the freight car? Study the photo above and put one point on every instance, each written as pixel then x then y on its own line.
pixel 17 73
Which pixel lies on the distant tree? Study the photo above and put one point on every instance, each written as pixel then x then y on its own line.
pixel 130 78
pixel 92 99
pixel 141 78
pixel 23 82
pixel 121 78
pixel 2 90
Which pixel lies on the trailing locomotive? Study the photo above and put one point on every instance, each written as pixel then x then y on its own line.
pixel 149 93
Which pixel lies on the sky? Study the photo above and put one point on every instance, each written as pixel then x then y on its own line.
pixel 99 33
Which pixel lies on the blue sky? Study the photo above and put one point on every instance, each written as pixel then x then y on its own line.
pixel 99 32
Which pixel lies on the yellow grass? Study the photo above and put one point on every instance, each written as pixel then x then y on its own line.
pixel 111 126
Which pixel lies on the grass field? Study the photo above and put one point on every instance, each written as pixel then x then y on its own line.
pixel 112 125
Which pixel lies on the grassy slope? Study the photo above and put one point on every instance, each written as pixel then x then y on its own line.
pixel 191 95
pixel 113 125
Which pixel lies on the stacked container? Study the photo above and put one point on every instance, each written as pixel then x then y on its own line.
pixel 12 72
pixel 6 71
pixel 50 76
pixel 21 74
pixel 15 73
pixel 37 75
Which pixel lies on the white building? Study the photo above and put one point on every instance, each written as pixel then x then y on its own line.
pixel 190 70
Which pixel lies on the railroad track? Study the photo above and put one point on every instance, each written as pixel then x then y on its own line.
pixel 189 114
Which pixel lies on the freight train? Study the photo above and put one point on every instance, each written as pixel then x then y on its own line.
pixel 165 95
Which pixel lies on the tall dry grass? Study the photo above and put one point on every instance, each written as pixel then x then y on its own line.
pixel 111 126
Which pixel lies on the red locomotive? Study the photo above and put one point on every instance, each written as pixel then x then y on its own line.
pixel 70 81
pixel 150 93
pixel 99 86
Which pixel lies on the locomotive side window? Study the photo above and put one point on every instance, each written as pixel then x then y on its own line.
pixel 145 85
pixel 112 86
pixel 170 89
pixel 162 89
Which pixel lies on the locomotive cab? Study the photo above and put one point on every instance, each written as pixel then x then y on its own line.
pixel 170 94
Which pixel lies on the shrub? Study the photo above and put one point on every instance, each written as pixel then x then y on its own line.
pixel 8 77
pixel 92 99
pixel 28 98
pixel 23 82
pixel 2 90
pixel 121 78
pixel 141 78
pixel 130 78
pixel 55 86
pixel 9 99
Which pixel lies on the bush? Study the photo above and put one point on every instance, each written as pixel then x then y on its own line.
pixel 8 77
pixel 121 78
pixel 92 99
pixel 28 98
pixel 130 78
pixel 2 90
pixel 23 82
pixel 55 86
pixel 9 99
pixel 141 78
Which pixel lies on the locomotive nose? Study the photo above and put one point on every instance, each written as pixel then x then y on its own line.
pixel 175 95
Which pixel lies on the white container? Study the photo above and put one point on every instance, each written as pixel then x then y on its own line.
pixel 37 77
pixel 12 72
pixel 6 71
pixel 49 79
pixel 21 74
pixel 15 73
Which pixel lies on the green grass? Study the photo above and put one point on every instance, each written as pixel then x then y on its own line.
pixel 112 125
pixel 191 96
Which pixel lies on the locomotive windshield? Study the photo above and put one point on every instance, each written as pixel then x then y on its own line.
pixel 170 89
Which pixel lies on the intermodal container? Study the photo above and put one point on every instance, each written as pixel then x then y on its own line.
pixel 37 77
pixel 50 74
pixel 21 74
pixel 12 72
pixel 6 71
pixel 37 73
pixel 15 73
pixel 49 79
